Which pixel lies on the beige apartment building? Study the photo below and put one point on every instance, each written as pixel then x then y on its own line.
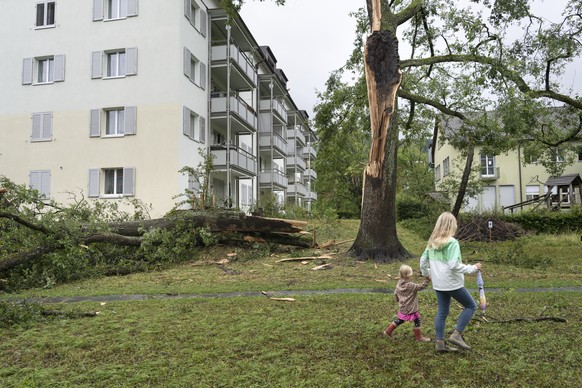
pixel 508 181
pixel 109 99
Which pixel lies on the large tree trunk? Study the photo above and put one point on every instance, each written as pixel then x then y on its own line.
pixel 377 238
pixel 464 182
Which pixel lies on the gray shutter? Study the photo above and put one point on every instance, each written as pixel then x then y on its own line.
pixel 36 126
pixel 186 122
pixel 27 71
pixel 93 183
pixel 47 126
pixel 132 7
pixel 202 75
pixel 129 181
pixel 59 68
pixel 45 183
pixel 95 123
pixel 203 22
pixel 97 64
pixel 187 63
pixel 98 10
pixel 188 9
pixel 202 126
pixel 130 120
pixel 34 180
pixel 131 61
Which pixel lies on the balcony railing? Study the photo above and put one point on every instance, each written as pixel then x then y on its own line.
pixel 296 189
pixel 275 176
pixel 293 161
pixel 278 142
pixel 309 152
pixel 310 173
pixel 312 195
pixel 219 53
pixel 295 133
pixel 238 158
pixel 238 106
pixel 278 108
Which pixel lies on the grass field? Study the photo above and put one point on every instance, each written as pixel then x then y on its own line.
pixel 320 340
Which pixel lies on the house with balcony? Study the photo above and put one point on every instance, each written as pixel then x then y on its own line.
pixel 509 183
pixel 110 99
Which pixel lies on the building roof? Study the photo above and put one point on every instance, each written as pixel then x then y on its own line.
pixel 564 180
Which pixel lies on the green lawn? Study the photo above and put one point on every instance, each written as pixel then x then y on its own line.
pixel 316 341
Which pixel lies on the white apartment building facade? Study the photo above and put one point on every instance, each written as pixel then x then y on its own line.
pixel 109 99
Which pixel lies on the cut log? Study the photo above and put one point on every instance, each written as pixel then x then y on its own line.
pixel 303 258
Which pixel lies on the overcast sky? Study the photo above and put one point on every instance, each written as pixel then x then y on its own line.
pixel 312 38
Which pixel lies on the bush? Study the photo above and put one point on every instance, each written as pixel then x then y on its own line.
pixel 548 221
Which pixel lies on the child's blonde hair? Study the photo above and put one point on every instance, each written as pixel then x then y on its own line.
pixel 444 229
pixel 405 271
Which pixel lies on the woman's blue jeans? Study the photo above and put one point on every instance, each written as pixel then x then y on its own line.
pixel 444 304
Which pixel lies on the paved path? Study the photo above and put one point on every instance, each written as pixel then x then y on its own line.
pixel 139 297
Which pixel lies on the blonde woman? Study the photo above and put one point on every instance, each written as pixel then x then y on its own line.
pixel 442 260
pixel 406 296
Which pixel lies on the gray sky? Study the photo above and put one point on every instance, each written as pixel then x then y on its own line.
pixel 308 47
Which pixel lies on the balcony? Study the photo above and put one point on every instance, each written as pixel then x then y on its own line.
pixel 296 134
pixel 278 109
pixel 490 176
pixel 309 152
pixel 295 161
pixel 312 195
pixel 296 190
pixel 279 144
pixel 240 160
pixel 310 174
pixel 274 176
pixel 245 116
pixel 244 77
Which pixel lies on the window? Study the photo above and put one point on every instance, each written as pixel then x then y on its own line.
pixel 487 165
pixel 40 180
pixel 532 192
pixel 118 63
pixel 112 182
pixel 446 167
pixel 558 155
pixel 42 127
pixel 45 14
pixel 194 126
pixel 119 121
pixel 194 69
pixel 579 151
pixel 196 16
pixel 437 173
pixel 114 9
pixel 43 70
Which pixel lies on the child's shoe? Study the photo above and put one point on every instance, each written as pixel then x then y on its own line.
pixel 418 335
pixel 390 329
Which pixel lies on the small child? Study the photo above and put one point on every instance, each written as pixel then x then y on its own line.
pixel 407 299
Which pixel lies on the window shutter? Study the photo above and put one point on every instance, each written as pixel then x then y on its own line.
pixel 59 68
pixel 95 124
pixel 203 22
pixel 202 136
pixel 186 122
pixel 129 181
pixel 131 61
pixel 93 183
pixel 130 120
pixel 187 61
pixel 132 7
pixel 27 71
pixel 47 126
pixel 97 64
pixel 98 10
pixel 188 9
pixel 36 126
pixel 202 75
pixel 45 183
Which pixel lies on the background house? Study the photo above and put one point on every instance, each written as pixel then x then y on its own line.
pixel 111 98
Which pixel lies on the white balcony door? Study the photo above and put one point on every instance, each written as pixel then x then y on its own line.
pixel 488 198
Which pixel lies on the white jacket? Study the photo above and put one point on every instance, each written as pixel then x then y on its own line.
pixel 445 266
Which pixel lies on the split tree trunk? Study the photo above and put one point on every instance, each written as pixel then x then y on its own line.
pixel 377 238
pixel 464 182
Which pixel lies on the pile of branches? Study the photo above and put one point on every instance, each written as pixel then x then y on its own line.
pixel 476 228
